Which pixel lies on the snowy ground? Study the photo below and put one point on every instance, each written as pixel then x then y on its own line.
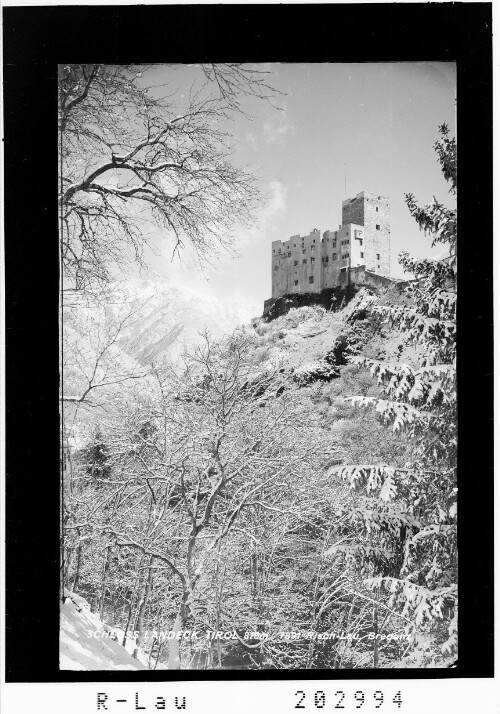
pixel 305 335
pixel 78 650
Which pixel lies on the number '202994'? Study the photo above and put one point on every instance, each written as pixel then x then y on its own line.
pixel 341 700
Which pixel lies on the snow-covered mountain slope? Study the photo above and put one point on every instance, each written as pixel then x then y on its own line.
pixel 172 318
pixel 166 319
pixel 85 642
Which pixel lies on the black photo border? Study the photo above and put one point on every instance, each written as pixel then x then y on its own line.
pixel 36 40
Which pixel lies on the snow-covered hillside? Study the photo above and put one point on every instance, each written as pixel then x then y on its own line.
pixel 85 642
pixel 301 339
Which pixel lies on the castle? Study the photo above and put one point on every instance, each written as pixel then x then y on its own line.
pixel 359 251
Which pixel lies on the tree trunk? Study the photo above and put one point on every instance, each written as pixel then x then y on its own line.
pixel 139 623
pixel 174 654
pixel 94 603
pixel 131 606
pixel 129 617
pixel 76 576
pixel 61 574
pixel 105 570
pixel 68 552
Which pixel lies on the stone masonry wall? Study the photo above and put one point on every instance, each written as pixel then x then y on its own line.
pixel 371 211
pixel 296 264
pixel 315 262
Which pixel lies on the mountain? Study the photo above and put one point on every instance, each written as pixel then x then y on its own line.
pixel 172 318
pixel 136 322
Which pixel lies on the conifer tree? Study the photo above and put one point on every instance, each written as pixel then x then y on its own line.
pixel 408 515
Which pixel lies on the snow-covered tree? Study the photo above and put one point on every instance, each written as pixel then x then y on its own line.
pixel 407 517
pixel 132 155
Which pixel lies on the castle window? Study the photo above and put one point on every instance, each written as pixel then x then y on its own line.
pixel 294 245
pixel 274 251
pixel 289 255
pixel 275 268
pixel 326 259
pixel 296 282
pixel 304 252
pixel 295 262
pixel 376 209
pixel 378 256
pixel 313 260
pixel 311 278
pixel 304 262
pixel 312 248
pixel 334 256
pixel 377 226
pixel 360 241
pixel 362 255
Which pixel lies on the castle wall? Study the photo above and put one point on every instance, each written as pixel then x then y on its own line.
pixel 296 264
pixel 361 276
pixel 341 249
pixel 315 262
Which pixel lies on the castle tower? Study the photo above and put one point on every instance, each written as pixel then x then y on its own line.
pixel 372 212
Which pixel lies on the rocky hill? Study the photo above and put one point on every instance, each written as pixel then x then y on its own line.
pixel 312 340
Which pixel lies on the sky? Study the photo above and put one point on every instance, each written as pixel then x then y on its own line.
pixel 335 130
